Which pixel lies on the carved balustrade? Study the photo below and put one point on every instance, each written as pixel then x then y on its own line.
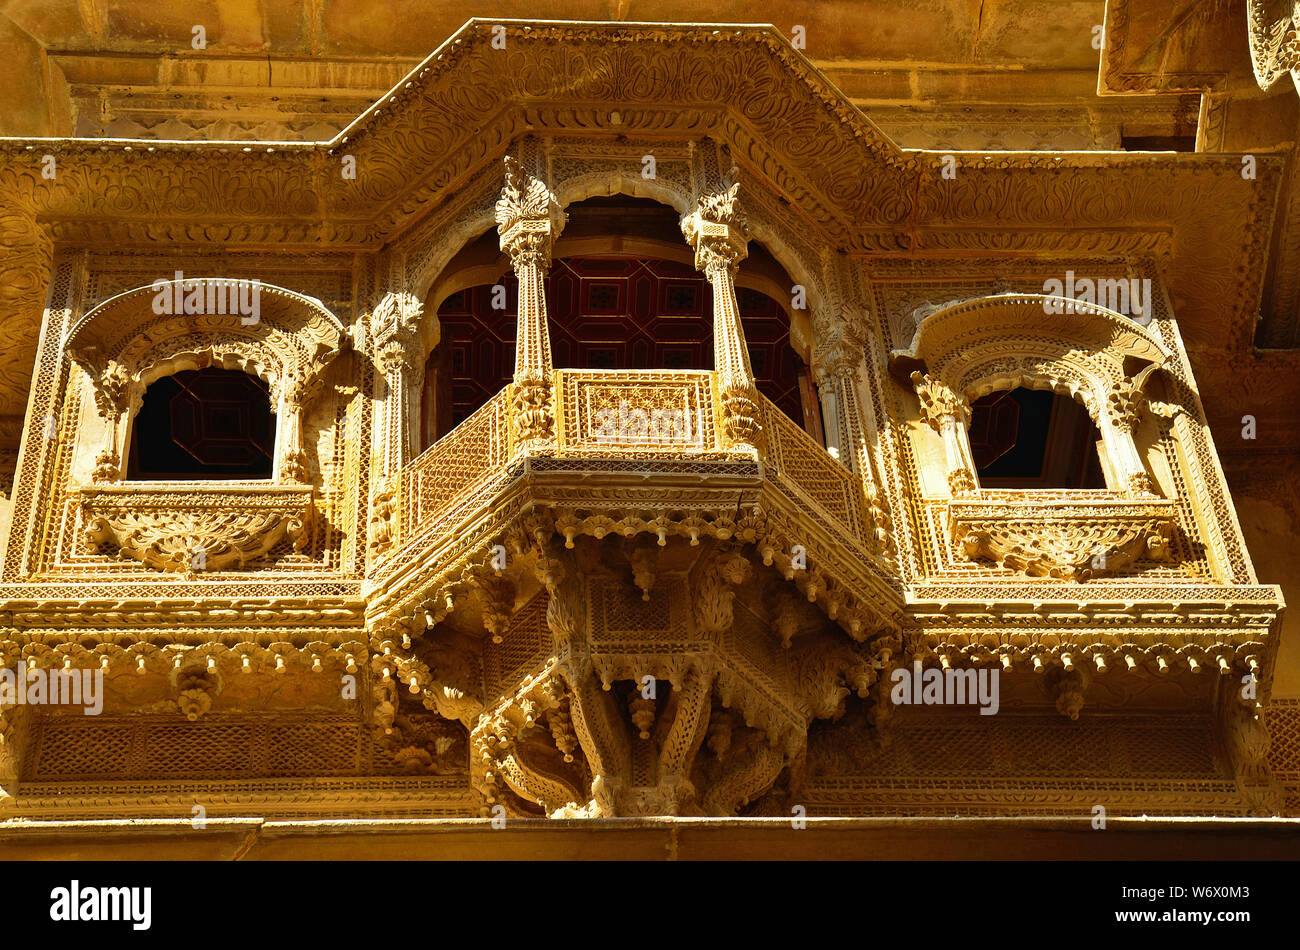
pixel 651 415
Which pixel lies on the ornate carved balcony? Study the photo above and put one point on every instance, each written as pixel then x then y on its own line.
pixel 637 453
pixel 658 420
pixel 187 528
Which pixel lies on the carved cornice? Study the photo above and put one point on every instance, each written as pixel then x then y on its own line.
pixel 745 86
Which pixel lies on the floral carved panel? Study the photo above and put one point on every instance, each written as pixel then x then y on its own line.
pixel 1063 539
pixel 192 530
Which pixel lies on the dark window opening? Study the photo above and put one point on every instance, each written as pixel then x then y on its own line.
pixel 203 424
pixel 1028 438
pixel 607 313
pixel 1158 143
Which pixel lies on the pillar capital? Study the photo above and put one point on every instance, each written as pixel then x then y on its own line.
pixel 529 218
pixel 837 360
pixel 396 321
pixel 938 401
pixel 717 229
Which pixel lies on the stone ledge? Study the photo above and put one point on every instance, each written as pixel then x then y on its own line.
pixel 894 839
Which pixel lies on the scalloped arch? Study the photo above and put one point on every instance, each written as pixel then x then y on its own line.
pixel 976 346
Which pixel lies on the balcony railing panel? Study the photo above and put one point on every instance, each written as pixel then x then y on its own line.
pixel 810 471
pixel 636 412
pixel 455 465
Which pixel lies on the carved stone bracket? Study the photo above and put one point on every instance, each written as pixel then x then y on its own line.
pixel 190 531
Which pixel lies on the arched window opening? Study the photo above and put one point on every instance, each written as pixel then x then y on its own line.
pixel 606 313
pixel 203 424
pixel 622 293
pixel 1034 439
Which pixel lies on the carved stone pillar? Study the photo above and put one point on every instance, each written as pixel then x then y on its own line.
pixel 718 233
pixel 113 391
pixel 834 374
pixel 398 357
pixel 292 462
pixel 1124 406
pixel 837 386
pixel 529 219
pixel 949 414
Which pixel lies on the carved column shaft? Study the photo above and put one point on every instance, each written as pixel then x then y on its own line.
pixel 534 421
pixel 828 393
pixel 116 393
pixel 529 220
pixel 835 372
pixel 399 359
pixel 717 232
pixel 292 461
pixel 1123 410
pixel 838 386
pixel 730 351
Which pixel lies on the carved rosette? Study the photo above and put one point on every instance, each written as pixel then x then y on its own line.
pixel 194 531
pixel 1066 541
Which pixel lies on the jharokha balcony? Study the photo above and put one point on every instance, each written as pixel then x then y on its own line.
pixel 585 531
pixel 636 453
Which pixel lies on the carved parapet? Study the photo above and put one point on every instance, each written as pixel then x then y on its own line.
pixel 666 412
pixel 1072 541
pixel 192 530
